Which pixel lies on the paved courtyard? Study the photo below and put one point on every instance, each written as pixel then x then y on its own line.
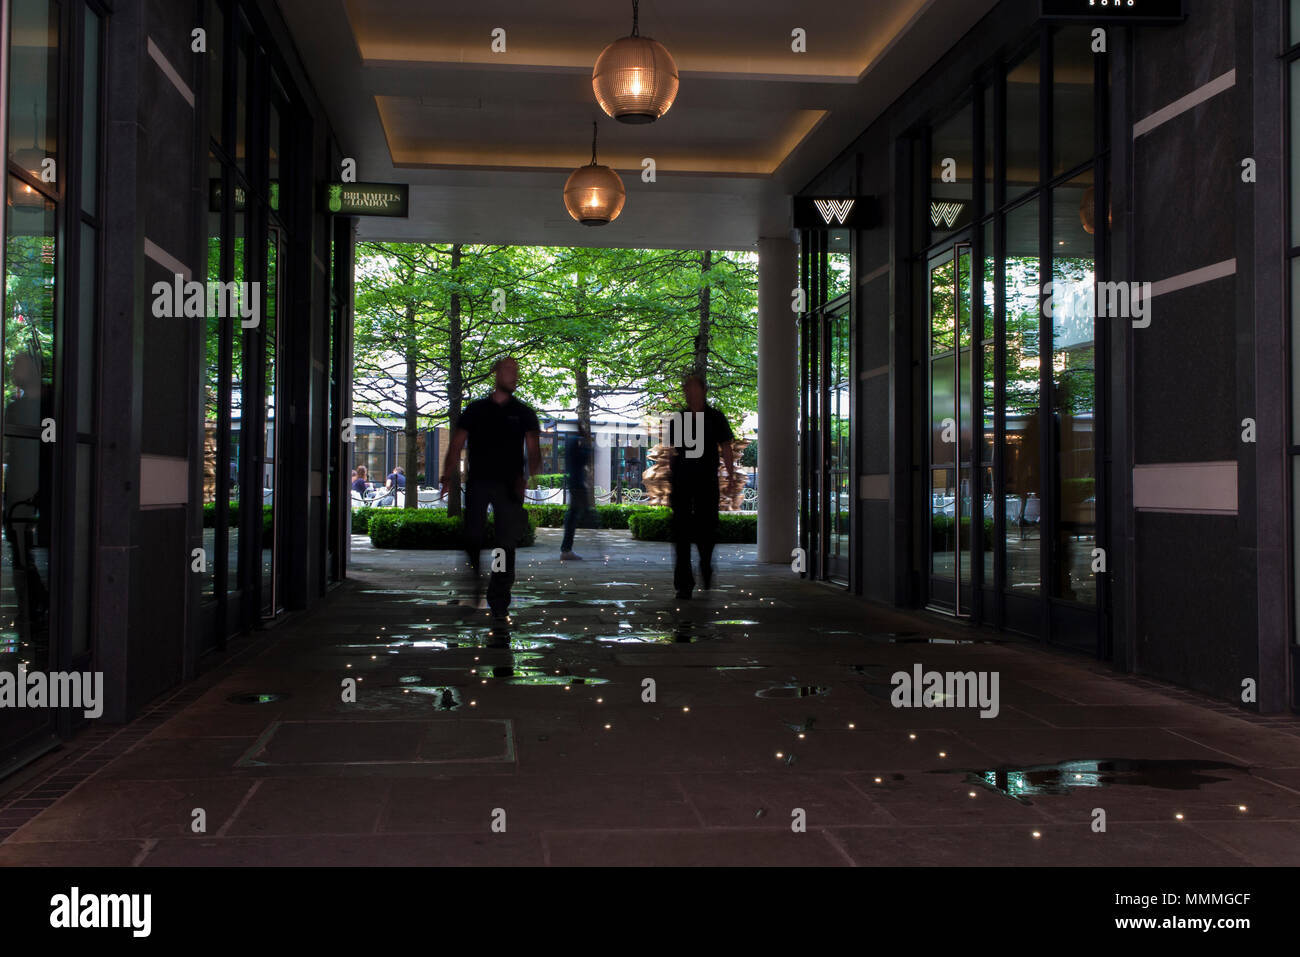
pixel 615 725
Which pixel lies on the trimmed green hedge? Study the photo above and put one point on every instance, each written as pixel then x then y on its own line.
pixel 361 519
pixel 210 519
pixel 428 528
pixel 607 516
pixel 554 480
pixel 651 524
pixel 941 528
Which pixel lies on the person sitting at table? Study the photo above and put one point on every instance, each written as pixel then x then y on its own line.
pixel 359 484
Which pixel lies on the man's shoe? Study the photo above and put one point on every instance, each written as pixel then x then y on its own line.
pixel 570 557
pixel 683 595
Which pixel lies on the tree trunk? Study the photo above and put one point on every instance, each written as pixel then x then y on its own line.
pixel 702 336
pixel 455 373
pixel 412 463
pixel 580 375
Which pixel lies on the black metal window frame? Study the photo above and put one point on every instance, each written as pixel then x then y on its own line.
pixel 236 606
pixel 1290 57
pixel 989 82
pixel 66 196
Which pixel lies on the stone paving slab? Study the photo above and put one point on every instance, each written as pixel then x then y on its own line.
pixel 616 725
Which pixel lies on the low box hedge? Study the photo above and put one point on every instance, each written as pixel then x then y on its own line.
pixel 428 528
pixel 605 516
pixel 232 519
pixel 941 531
pixel 654 524
pixel 361 519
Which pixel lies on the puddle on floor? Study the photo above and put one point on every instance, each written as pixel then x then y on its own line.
pixel 794 691
pixel 407 694
pixel 257 697
pixel 922 640
pixel 1022 784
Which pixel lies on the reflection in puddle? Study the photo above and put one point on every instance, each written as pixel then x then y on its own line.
pixel 921 640
pixel 1024 783
pixel 794 691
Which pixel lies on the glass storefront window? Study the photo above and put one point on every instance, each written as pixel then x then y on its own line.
pixel 1023 110
pixel 90 116
pixel 26 488
pixel 33 89
pixel 839 265
pixel 1073 99
pixel 1074 391
pixel 952 172
pixel 1021 462
pixel 216 72
pixel 1294 70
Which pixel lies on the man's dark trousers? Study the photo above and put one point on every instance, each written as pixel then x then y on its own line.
pixel 508 517
pixel 577 509
pixel 695 518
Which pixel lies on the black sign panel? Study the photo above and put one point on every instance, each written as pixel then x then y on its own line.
pixel 834 212
pixel 1118 11
pixel 367 199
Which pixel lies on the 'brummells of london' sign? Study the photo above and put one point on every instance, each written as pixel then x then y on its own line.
pixel 367 199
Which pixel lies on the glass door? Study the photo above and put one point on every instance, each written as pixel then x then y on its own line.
pixel 838 450
pixel 951 445
pixel 270 431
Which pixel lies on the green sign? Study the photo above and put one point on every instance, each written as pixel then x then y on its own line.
pixel 241 198
pixel 367 199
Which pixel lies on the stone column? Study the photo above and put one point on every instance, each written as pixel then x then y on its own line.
pixel 778 400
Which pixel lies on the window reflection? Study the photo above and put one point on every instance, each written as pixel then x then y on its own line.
pixel 1074 393
pixel 1021 461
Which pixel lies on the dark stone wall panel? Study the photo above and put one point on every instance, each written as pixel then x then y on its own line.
pixel 1184 378
pixel 1196 619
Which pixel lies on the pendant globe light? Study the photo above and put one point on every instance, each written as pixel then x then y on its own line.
pixel 594 194
pixel 635 78
pixel 31 159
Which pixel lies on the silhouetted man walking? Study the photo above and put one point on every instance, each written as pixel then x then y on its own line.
pixel 702 436
pixel 578 456
pixel 496 430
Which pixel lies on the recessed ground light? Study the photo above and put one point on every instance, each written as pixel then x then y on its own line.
pixel 1037 835
pixel 912 737
pixel 1241 807
pixel 972 793
pixel 879 780
pixel 1178 816
pixel 852 725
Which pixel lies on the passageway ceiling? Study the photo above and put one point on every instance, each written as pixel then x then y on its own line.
pixel 486 140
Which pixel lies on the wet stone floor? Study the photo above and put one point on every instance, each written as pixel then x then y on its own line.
pixel 611 724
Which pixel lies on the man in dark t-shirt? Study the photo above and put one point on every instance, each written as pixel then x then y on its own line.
pixel 702 436
pixel 496 430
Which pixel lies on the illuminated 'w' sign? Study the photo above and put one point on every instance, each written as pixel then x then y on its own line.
pixel 838 209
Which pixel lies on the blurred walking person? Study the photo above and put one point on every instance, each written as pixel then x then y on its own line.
pixel 578 455
pixel 497 430
pixel 703 435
